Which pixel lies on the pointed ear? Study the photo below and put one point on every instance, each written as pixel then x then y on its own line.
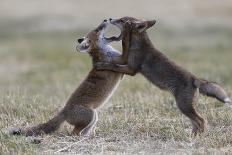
pixel 143 26
pixel 150 23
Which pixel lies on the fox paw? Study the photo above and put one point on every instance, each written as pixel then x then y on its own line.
pixel 16 131
pixel 101 65
pixel 227 100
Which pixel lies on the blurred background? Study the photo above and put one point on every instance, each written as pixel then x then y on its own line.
pixel 37 38
pixel 39 66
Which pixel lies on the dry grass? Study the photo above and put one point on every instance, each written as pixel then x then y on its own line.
pixel 39 69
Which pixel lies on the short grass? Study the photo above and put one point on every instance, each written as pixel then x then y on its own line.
pixel 39 70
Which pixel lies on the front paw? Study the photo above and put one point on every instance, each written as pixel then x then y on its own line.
pixel 15 131
pixel 101 65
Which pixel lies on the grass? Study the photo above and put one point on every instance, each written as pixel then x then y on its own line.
pixel 39 70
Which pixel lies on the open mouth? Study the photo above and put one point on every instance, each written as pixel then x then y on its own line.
pixel 113 32
pixel 82 47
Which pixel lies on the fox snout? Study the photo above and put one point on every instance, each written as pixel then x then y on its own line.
pixel 103 25
pixel 83 44
pixel 112 21
pixel 80 40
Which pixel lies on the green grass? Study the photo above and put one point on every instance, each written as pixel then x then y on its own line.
pixel 39 70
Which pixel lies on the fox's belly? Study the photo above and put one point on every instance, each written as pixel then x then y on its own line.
pixel 96 89
pixel 154 78
pixel 104 89
pixel 109 90
pixel 162 79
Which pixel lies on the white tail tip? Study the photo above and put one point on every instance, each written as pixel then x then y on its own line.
pixel 227 100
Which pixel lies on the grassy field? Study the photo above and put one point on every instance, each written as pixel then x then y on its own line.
pixel 39 69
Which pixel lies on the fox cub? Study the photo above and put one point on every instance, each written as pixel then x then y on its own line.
pixel 81 108
pixel 140 56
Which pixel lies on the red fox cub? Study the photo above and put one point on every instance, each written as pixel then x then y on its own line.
pixel 81 108
pixel 141 56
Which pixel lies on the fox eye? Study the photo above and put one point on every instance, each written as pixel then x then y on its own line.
pixel 121 20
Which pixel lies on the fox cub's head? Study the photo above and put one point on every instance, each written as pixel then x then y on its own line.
pixel 95 39
pixel 137 26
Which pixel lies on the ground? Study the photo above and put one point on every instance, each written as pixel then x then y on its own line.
pixel 39 69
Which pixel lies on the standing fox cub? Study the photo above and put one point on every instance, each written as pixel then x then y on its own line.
pixel 96 89
pixel 141 56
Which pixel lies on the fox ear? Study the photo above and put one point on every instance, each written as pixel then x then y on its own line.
pixel 143 26
pixel 150 23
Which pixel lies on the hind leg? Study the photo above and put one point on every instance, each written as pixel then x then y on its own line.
pixel 91 125
pixel 84 128
pixel 77 129
pixel 186 103
pixel 83 119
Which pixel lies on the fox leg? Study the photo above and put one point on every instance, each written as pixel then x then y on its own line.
pixel 119 64
pixel 83 119
pixel 83 129
pixel 91 125
pixel 77 129
pixel 125 69
pixel 121 60
pixel 125 46
pixel 186 103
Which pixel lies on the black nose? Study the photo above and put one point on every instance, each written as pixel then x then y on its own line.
pixel 105 20
pixel 80 40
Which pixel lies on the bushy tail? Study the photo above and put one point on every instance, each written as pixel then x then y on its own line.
pixel 212 89
pixel 48 127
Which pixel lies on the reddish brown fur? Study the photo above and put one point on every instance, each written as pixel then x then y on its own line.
pixel 143 57
pixel 81 108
